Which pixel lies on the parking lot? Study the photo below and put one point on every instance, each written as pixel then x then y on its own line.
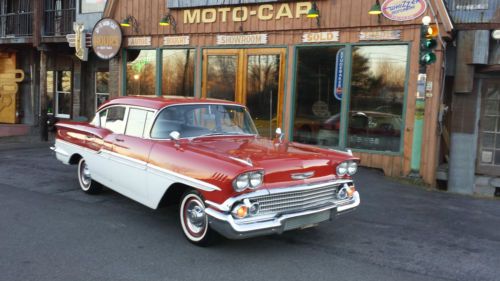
pixel 49 230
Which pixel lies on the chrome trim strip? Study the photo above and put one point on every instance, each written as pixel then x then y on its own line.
pixel 242 161
pixel 302 176
pixel 191 181
pixel 75 146
pixel 59 151
pixel 114 154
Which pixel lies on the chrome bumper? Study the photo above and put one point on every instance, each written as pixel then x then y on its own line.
pixel 231 228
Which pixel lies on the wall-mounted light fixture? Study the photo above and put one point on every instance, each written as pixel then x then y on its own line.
pixel 313 13
pixel 169 20
pixel 376 10
pixel 130 21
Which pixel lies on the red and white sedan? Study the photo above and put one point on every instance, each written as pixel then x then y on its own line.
pixel 207 157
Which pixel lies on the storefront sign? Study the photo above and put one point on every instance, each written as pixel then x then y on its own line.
pixel 316 37
pixel 252 39
pixel 139 41
pixel 106 38
pixel 338 90
pixel 380 35
pixel 175 40
pixel 403 10
pixel 242 13
pixel 80 40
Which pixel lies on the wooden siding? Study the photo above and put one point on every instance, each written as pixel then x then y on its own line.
pixel 349 17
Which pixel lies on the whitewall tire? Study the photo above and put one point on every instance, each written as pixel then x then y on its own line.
pixel 194 220
pixel 87 185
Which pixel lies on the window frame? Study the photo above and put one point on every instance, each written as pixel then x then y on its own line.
pixel 95 88
pixel 160 67
pixel 146 128
pixel 80 11
pixel 57 92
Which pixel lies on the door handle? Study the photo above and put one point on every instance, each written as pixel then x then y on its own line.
pixel 119 140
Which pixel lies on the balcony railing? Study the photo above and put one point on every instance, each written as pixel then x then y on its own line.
pixel 59 22
pixel 16 24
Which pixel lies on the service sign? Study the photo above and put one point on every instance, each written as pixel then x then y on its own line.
pixel 106 38
pixel 403 10
pixel 318 37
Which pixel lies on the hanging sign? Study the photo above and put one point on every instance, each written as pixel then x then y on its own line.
pixel 251 39
pixel 328 36
pixel 338 89
pixel 403 10
pixel 106 38
pixel 139 41
pixel 175 40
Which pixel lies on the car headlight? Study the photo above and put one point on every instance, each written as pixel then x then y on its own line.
pixel 250 180
pixel 241 183
pixel 352 168
pixel 342 169
pixel 256 179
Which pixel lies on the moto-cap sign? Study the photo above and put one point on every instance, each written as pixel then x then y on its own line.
pixel 106 38
pixel 403 10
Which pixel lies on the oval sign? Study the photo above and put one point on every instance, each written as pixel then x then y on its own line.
pixel 106 38
pixel 403 10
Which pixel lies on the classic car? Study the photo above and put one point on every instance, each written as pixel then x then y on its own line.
pixel 206 156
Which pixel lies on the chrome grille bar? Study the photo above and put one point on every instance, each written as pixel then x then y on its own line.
pixel 296 200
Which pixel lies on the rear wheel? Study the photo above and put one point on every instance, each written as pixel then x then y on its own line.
pixel 194 220
pixel 85 179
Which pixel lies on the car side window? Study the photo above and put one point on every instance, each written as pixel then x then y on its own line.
pixel 115 119
pixel 101 121
pixel 137 122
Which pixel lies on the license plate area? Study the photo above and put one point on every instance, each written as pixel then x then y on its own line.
pixel 302 221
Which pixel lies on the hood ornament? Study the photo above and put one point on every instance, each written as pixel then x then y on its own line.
pixel 302 176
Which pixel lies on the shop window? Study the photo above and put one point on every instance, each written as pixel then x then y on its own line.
pixel 178 72
pixel 375 119
pixel 318 101
pixel 92 6
pixel 489 129
pixel 101 87
pixel 221 77
pixel 141 73
pixel 63 94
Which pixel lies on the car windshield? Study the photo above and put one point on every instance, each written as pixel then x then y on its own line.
pixel 197 120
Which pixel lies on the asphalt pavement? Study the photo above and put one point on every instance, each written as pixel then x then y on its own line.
pixel 49 230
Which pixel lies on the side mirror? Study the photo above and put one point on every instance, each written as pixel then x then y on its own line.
pixel 279 134
pixel 174 135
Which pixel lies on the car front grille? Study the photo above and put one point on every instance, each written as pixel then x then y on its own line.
pixel 295 200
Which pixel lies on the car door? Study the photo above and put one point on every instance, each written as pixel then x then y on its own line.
pixel 130 155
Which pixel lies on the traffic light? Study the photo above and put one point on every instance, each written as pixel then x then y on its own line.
pixel 428 43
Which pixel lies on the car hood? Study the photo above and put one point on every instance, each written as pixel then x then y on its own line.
pixel 281 162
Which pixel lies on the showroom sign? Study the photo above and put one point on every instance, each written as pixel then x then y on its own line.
pixel 403 10
pixel 106 38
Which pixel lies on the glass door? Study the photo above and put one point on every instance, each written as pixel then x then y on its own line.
pixel 253 77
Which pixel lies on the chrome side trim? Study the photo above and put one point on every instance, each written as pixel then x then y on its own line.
pixel 59 151
pixel 74 146
pixel 187 180
pixel 141 163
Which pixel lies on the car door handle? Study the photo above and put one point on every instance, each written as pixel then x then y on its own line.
pixel 119 140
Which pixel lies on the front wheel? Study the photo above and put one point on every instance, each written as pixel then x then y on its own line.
pixel 194 220
pixel 85 179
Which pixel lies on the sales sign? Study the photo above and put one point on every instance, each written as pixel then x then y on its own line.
pixel 403 10
pixel 338 89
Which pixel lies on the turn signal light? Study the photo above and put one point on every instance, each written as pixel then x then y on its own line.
pixel 350 191
pixel 240 211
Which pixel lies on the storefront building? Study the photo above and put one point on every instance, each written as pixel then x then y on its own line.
pixel 344 80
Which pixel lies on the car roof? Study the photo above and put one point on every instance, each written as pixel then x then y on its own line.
pixel 156 103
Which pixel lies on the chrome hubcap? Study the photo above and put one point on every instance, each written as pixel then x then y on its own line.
pixel 195 217
pixel 86 179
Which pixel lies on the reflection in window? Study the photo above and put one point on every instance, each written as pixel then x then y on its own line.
pixel 178 72
pixel 221 77
pixel 377 95
pixel 141 72
pixel 115 119
pixel 101 87
pixel 63 94
pixel 317 113
pixel 136 124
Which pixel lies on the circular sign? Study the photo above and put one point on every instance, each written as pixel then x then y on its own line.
pixel 403 10
pixel 106 38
